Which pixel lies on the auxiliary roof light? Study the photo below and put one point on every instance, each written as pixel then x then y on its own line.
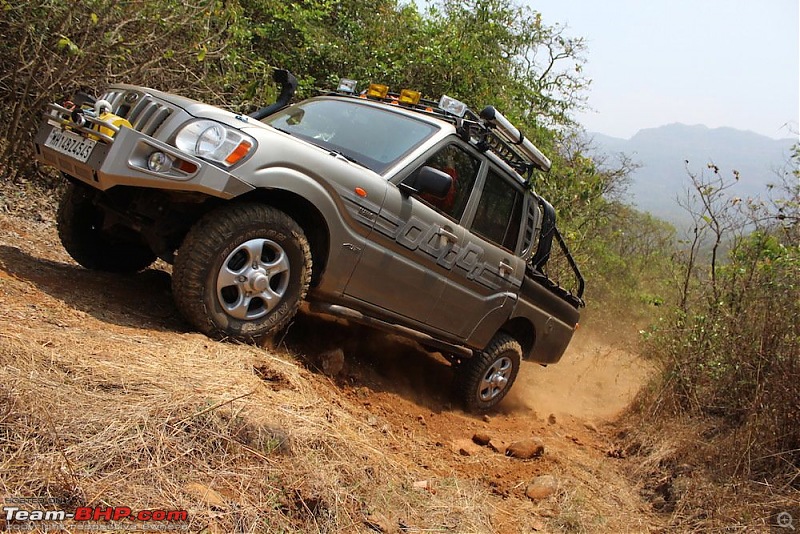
pixel 347 86
pixel 377 90
pixel 452 106
pixel 410 97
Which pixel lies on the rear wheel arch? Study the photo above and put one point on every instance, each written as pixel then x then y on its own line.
pixel 523 331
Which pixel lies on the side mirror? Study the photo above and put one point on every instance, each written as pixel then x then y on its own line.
pixel 427 180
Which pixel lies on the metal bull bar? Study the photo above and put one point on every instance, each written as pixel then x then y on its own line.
pixel 58 115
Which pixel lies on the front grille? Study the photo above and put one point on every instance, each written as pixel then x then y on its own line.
pixel 145 114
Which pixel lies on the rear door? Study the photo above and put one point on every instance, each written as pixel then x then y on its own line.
pixel 482 288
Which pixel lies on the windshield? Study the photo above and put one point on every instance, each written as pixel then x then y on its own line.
pixel 376 138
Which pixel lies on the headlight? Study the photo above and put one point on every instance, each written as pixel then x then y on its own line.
pixel 214 141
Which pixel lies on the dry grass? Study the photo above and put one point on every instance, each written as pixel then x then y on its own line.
pixel 679 463
pixel 108 401
pixel 99 408
pixel 123 419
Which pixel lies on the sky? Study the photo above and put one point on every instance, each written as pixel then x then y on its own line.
pixel 733 63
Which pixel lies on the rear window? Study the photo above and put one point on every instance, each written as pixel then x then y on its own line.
pixel 499 213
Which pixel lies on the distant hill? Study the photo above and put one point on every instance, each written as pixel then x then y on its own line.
pixel 662 153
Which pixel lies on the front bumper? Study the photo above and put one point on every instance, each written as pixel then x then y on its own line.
pixel 122 160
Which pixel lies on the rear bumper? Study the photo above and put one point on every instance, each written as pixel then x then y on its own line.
pixel 123 161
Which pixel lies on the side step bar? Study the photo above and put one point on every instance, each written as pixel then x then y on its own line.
pixel 420 337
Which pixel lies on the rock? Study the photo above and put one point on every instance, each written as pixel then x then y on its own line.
pixel 683 469
pixel 541 487
pixel 206 495
pixel 525 449
pixel 487 419
pixel 590 426
pixel 267 342
pixel 616 453
pixel 465 447
pixel 424 485
pixel 497 446
pixel 551 419
pixel 481 438
pixel 659 503
pixel 332 362
pixel 379 523
pixel 264 438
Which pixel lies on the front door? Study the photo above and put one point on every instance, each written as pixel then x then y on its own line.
pixel 415 242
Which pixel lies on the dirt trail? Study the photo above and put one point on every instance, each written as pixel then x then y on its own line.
pixel 566 406
pixel 398 390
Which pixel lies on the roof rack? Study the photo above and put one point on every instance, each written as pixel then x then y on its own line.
pixel 489 130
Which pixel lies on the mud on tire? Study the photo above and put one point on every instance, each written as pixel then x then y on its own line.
pixel 242 271
pixel 81 230
pixel 486 378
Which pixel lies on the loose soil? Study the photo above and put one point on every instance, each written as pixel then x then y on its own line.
pixel 380 446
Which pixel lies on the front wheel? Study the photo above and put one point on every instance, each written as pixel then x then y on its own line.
pixel 242 272
pixel 486 378
pixel 91 241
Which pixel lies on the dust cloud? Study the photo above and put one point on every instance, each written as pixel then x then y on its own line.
pixel 594 380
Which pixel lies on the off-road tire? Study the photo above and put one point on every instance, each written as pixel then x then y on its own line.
pixel 80 229
pixel 212 246
pixel 500 359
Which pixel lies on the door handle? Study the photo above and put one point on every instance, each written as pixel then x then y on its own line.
pixel 505 269
pixel 447 234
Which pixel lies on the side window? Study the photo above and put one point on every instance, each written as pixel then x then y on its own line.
pixel 463 168
pixel 499 213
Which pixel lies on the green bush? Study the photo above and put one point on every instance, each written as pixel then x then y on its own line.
pixel 732 348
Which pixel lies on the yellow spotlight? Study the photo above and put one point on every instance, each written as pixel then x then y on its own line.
pixel 377 90
pixel 409 97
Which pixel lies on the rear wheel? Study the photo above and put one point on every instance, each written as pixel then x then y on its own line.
pixel 242 271
pixel 91 242
pixel 486 378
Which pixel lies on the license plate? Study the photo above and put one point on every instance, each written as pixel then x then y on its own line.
pixel 70 143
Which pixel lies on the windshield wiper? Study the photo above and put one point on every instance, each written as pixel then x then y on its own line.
pixel 331 151
pixel 345 156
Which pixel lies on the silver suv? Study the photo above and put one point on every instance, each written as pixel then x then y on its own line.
pixel 413 216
